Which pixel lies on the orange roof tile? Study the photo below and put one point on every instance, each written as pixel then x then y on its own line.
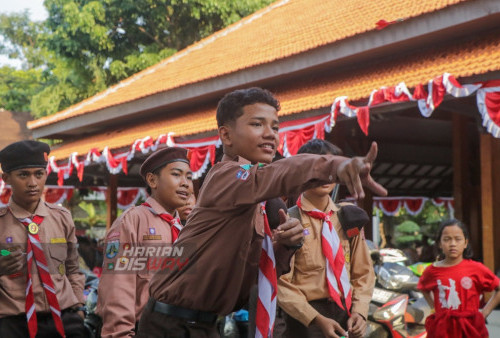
pixel 462 60
pixel 285 28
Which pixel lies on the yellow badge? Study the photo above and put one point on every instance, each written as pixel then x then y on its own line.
pixel 347 257
pixel 62 269
pixel 151 237
pixel 33 228
pixel 58 240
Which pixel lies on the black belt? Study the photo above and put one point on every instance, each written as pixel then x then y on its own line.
pixel 181 312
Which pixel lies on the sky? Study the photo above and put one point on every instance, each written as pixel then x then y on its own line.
pixel 37 13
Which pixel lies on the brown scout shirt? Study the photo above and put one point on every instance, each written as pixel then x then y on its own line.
pixel 57 235
pixel 220 238
pixel 124 293
pixel 307 279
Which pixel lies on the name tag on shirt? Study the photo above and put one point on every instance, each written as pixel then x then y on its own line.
pixel 58 240
pixel 151 237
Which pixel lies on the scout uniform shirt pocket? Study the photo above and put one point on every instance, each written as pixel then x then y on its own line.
pixel 15 281
pixel 58 252
pixel 307 256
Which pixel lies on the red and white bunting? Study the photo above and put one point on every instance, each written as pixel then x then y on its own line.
pixel 390 206
pixel 294 134
pixel 52 194
pixel 427 101
pixel 438 87
pixel 414 206
pixel 201 151
pixel 126 197
pixel 57 195
pixel 488 103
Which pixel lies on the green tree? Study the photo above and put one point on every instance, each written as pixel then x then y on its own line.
pixel 429 219
pixel 93 217
pixel 407 234
pixel 19 40
pixel 17 87
pixel 87 45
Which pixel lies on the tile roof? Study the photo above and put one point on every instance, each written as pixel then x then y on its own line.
pixel 463 59
pixel 283 29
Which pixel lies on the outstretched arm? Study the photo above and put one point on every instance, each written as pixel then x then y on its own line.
pixel 289 176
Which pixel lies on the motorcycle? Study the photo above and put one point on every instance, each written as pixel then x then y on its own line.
pixel 392 320
pixel 397 308
pixel 92 321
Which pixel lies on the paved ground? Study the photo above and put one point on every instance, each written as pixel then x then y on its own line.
pixel 494 324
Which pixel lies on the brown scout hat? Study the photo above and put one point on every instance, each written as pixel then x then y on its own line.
pixel 162 157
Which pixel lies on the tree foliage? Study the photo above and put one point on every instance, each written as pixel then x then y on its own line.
pixel 407 233
pixel 17 88
pixel 427 221
pixel 85 46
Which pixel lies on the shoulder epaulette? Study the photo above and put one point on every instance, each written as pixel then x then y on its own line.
pixel 294 212
pixel 129 210
pixel 56 207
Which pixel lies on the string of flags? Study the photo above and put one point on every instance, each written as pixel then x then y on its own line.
pixel 126 197
pixel 391 206
pixel 294 134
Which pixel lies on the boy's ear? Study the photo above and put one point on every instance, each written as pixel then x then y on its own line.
pixel 152 180
pixel 225 135
pixel 5 177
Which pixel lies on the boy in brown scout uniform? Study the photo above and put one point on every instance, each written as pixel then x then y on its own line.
pixel 41 287
pixel 303 293
pixel 151 226
pixel 224 233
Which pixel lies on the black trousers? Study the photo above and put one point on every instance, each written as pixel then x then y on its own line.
pixel 17 326
pixel 295 329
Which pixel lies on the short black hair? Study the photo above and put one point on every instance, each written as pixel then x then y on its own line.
pixel 450 222
pixel 154 172
pixel 320 147
pixel 230 107
pixel 317 147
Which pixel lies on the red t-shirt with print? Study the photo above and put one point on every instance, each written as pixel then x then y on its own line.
pixel 458 287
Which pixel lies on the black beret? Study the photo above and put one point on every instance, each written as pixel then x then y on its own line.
pixel 273 207
pixel 162 157
pixel 24 154
pixel 353 219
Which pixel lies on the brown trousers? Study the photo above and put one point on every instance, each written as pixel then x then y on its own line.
pixel 295 329
pixel 157 325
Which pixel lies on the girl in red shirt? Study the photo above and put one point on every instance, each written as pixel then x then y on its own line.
pixel 454 285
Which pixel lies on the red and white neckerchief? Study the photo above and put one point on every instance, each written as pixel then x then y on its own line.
pixel 268 284
pixel 35 252
pixel 174 222
pixel 339 286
